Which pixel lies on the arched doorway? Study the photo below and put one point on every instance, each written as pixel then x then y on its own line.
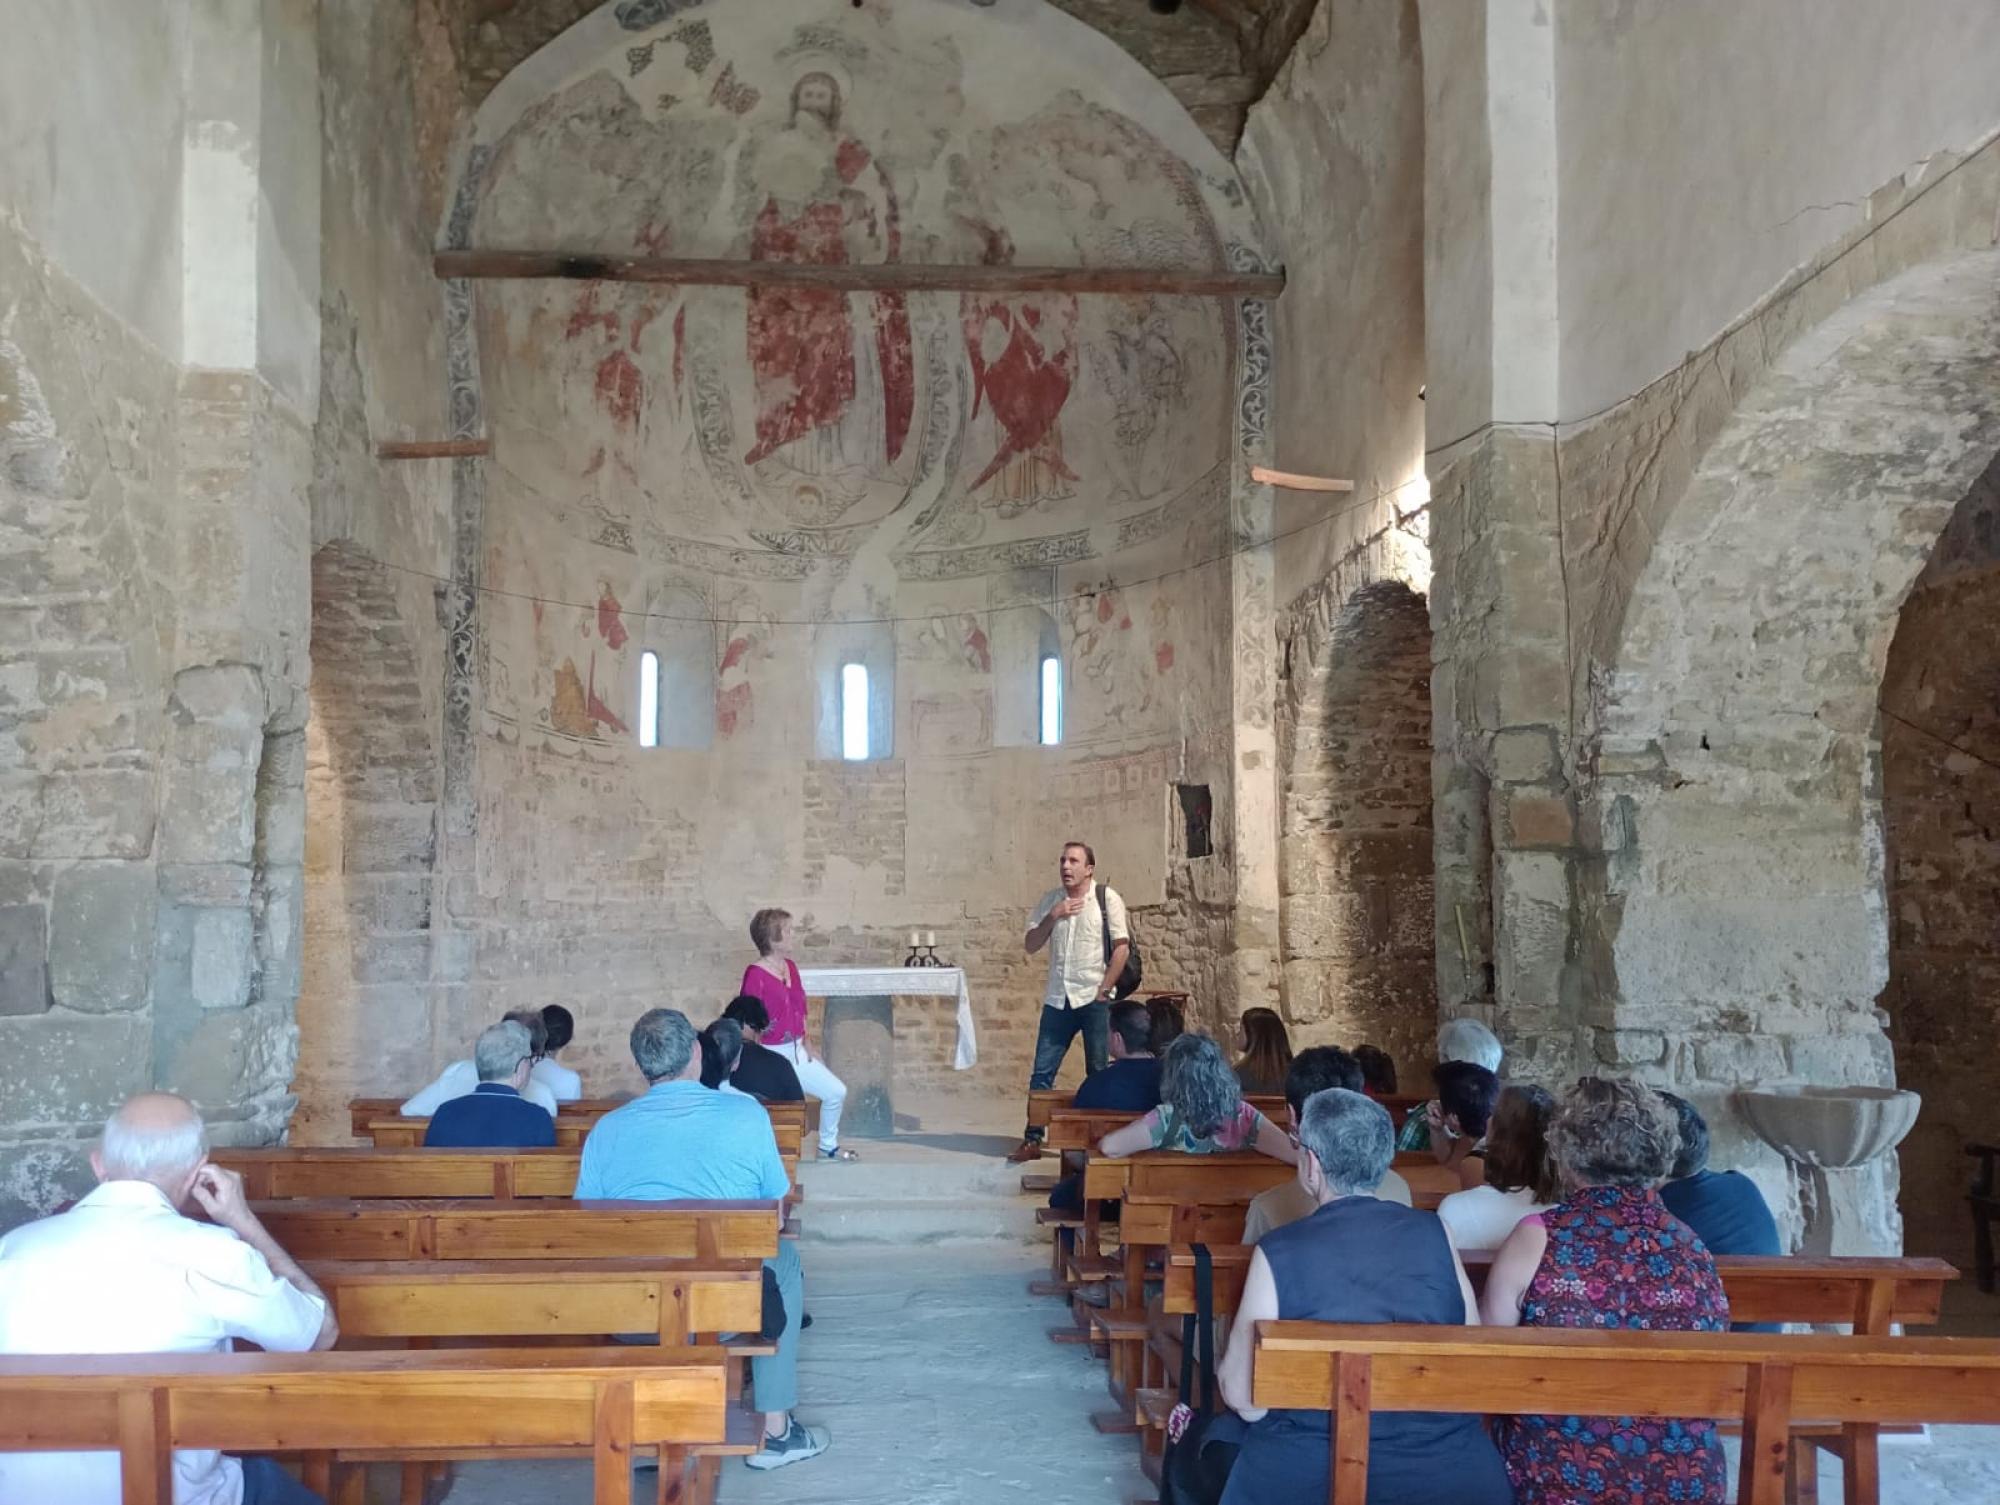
pixel 1356 898
pixel 1941 810
pixel 1742 933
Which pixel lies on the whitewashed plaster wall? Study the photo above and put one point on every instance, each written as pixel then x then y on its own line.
pixel 1706 149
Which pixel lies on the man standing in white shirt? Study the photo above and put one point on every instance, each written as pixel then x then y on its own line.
pixel 461 1078
pixel 1075 921
pixel 123 1271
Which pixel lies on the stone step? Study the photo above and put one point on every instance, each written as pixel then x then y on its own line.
pixel 924 1220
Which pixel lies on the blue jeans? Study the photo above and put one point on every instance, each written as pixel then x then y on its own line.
pixel 1058 1028
pixel 264 1483
pixel 774 1381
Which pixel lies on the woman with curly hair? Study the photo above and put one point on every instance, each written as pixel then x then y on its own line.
pixel 1609 1255
pixel 1201 1110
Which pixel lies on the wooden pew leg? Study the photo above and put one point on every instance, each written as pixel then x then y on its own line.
pixel 316 1473
pixel 611 1454
pixel 1353 1394
pixel 350 1484
pixel 1802 1479
pixel 1767 1435
pixel 416 1476
pixel 1861 1464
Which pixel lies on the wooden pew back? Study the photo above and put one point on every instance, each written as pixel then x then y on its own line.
pixel 360 1173
pixel 1766 1382
pixel 530 1300
pixel 788 1127
pixel 363 1110
pixel 475 1230
pixel 607 1401
pixel 280 1173
pixel 1870 1293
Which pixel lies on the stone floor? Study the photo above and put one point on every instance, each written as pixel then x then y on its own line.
pixel 931 1364
pixel 932 1368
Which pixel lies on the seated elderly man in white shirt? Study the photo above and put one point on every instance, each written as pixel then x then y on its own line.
pixel 548 1084
pixel 123 1271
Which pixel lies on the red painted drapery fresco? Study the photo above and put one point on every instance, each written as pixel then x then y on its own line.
pixel 802 340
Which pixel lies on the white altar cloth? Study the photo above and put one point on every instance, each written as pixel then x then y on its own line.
pixel 900 982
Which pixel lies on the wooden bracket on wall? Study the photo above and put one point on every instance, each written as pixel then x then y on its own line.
pixel 433 449
pixel 1290 481
pixel 887 277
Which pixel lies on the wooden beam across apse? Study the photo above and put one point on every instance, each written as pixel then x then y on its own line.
pixel 889 277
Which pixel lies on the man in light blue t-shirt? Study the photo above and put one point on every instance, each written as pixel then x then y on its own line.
pixel 683 1141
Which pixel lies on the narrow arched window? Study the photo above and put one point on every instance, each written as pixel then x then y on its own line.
pixel 854 712
pixel 1051 722
pixel 649 699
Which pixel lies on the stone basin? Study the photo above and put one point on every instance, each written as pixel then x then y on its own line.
pixel 1830 1128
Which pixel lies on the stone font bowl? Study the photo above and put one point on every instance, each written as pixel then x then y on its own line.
pixel 1830 1127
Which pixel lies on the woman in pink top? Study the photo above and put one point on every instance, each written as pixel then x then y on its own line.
pixel 773 979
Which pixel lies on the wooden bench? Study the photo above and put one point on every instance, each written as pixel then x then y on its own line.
pixel 608 1403
pixel 426 1303
pixel 540 1300
pixel 355 1173
pixel 1765 1383
pixel 1871 1295
pixel 330 1228
pixel 382 1122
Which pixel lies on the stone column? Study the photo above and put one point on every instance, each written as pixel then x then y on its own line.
pixel 1504 723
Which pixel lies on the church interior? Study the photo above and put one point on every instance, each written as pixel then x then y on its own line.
pixel 1472 509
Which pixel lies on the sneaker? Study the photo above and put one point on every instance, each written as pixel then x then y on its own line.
pixel 799 1443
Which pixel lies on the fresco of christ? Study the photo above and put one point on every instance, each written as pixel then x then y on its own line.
pixel 834 376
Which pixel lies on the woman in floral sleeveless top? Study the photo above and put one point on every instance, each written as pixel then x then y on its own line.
pixel 1609 1255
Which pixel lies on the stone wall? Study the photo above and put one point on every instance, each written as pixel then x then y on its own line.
pixel 1667 810
pixel 153 509
pixel 381 530
pixel 1940 793
pixel 1355 845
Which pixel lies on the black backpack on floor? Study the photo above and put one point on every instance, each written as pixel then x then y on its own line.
pixel 1191 1474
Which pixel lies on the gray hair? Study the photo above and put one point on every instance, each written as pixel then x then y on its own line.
pixel 1351 1138
pixel 501 1048
pixel 1469 1040
pixel 139 1146
pixel 1198 1083
pixel 663 1042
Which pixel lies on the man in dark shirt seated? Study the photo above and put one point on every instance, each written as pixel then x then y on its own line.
pixel 1724 1208
pixel 1130 1084
pixel 762 1072
pixel 494 1115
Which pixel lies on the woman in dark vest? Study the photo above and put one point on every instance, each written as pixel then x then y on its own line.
pixel 1355 1260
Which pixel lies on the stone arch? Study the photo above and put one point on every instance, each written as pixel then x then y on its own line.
pixel 1356 886
pixel 365 1005
pixel 1941 814
pixel 1739 933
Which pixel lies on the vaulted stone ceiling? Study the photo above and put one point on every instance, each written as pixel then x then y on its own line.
pixel 1217 56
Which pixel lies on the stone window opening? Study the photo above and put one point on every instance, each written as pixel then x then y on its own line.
pixel 649 699
pixel 1052 706
pixel 854 712
pixel 854 671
